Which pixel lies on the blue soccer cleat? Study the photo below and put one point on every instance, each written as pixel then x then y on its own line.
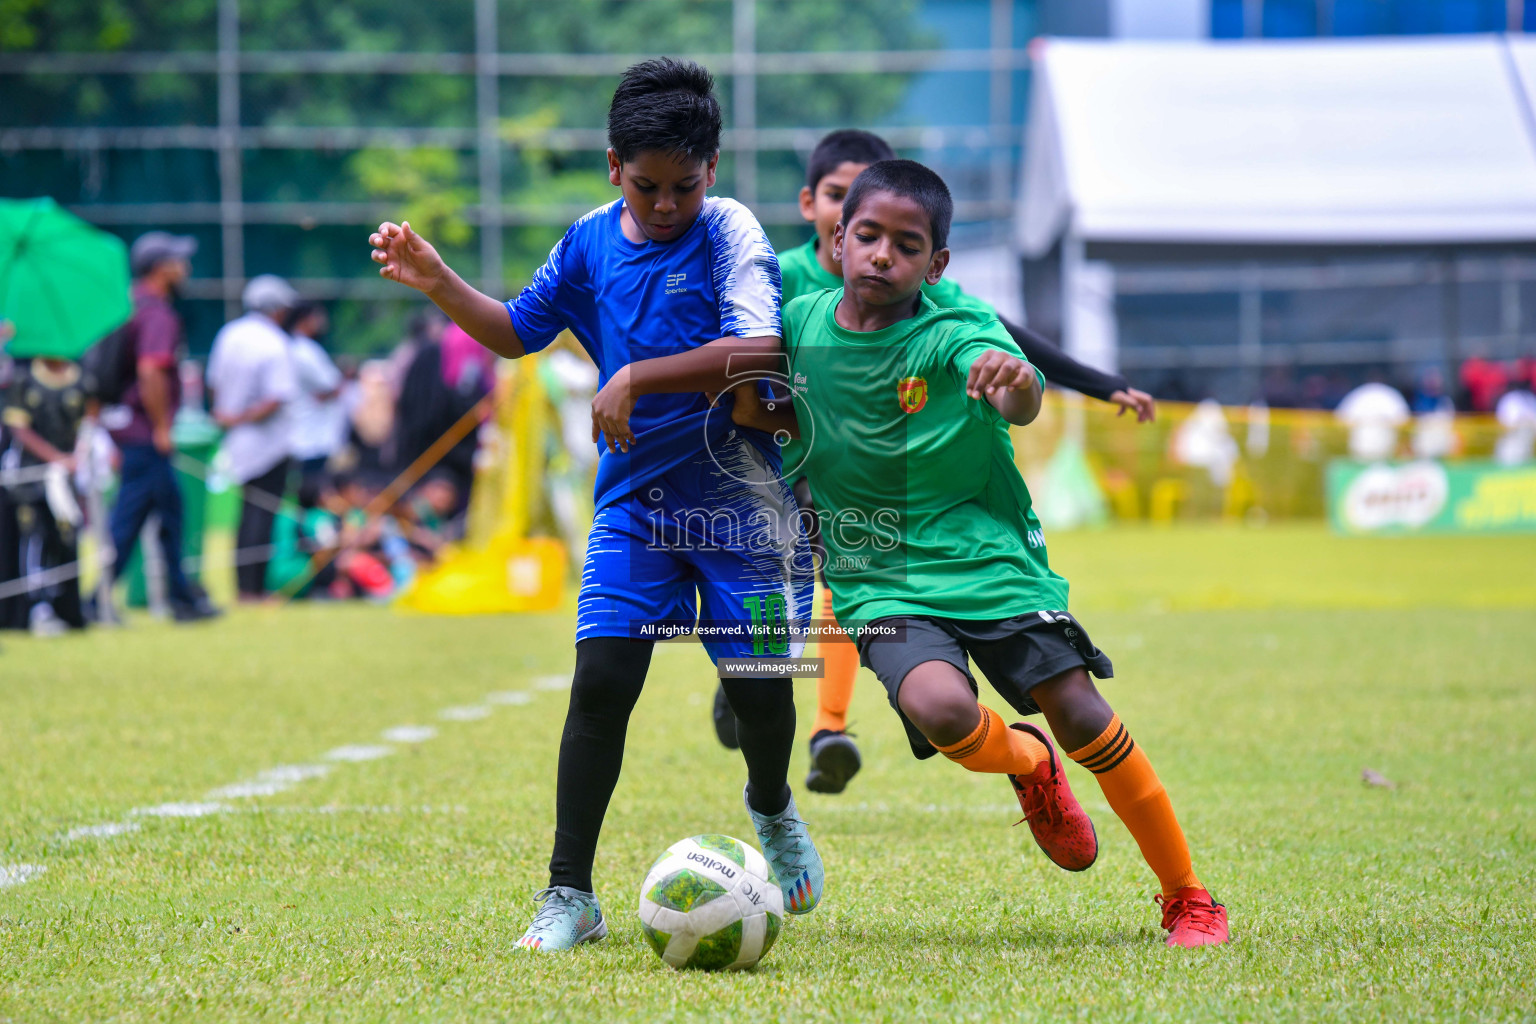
pixel 568 918
pixel 787 845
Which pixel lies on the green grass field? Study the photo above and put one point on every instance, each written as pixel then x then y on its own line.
pixel 1262 671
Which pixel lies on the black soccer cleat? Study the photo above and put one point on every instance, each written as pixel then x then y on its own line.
pixel 725 721
pixel 834 761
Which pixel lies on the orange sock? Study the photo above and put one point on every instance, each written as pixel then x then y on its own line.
pixel 834 691
pixel 993 747
pixel 1138 797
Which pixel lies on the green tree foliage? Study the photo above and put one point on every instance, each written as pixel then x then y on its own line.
pixel 421 181
pixel 432 186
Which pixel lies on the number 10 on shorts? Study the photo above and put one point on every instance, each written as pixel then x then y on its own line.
pixel 770 634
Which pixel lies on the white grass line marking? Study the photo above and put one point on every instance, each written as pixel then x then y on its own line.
pixel 106 831
pixel 362 752
pixel 247 790
pixel 409 733
pixel 363 809
pixel 15 874
pixel 469 713
pixel 270 782
pixel 295 772
pixel 509 697
pixel 552 683
pixel 186 810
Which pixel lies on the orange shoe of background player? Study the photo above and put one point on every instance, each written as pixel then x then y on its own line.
pixel 1192 918
pixel 1058 822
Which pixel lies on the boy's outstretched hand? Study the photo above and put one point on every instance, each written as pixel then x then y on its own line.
pixel 407 257
pixel 1008 383
pixel 1139 402
pixel 996 370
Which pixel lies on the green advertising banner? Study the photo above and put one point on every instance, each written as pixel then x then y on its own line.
pixel 1431 497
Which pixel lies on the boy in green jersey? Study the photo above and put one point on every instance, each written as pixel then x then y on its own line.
pixel 836 161
pixel 934 553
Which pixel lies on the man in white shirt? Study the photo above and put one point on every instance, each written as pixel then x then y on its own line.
pixel 1516 413
pixel 250 373
pixel 317 414
pixel 1374 413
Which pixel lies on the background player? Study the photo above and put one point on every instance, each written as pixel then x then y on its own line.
pixel 690 281
pixel 912 404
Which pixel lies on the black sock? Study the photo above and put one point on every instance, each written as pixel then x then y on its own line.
pixel 610 672
pixel 765 726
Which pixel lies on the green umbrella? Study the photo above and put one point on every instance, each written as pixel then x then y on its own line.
pixel 63 283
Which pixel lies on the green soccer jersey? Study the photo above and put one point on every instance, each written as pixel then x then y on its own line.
pixel 803 275
pixel 922 508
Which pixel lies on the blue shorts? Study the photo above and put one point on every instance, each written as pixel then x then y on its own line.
pixel 724 527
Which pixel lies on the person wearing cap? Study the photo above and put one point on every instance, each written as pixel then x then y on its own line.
pixel 251 376
pixel 141 424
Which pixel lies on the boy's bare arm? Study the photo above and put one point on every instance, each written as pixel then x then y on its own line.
pixel 708 368
pixel 770 417
pixel 406 257
pixel 1009 383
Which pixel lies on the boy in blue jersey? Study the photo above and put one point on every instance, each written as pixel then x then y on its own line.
pixel 671 292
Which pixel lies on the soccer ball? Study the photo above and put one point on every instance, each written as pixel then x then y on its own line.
pixel 711 902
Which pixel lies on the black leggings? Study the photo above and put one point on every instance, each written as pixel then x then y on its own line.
pixel 610 672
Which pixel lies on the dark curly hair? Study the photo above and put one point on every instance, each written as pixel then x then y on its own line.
pixel 665 105
pixel 845 146
pixel 905 178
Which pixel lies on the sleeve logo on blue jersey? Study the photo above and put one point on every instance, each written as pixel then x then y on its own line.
pixel 676 283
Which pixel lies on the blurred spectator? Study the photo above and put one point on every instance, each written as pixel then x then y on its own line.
pixel 431 517
pixel 252 380
pixel 1525 372
pixel 445 381
pixel 1205 440
pixel 1434 422
pixel 298 534
pixel 347 400
pixel 1429 392
pixel 468 366
pixel 317 414
pixel 13 610
pixel 425 328
pixel 372 417
pixel 1374 413
pixel 43 409
pixel 1483 381
pixel 1516 413
pixel 141 422
pixel 318 528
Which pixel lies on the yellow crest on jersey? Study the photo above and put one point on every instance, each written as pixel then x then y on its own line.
pixel 912 394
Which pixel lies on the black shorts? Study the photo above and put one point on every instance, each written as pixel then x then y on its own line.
pixel 1015 655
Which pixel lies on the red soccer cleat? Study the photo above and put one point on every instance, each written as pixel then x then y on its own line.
pixel 1058 822
pixel 1192 918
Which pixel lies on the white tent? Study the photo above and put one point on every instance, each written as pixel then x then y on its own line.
pixel 1401 141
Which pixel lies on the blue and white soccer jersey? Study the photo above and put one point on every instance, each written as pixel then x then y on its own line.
pixel 695 505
